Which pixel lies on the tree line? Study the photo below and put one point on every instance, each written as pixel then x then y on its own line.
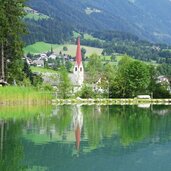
pixel 126 43
pixel 50 30
pixel 126 80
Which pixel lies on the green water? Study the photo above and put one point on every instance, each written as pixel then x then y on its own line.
pixel 85 138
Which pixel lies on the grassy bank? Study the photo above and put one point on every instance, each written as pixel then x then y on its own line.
pixel 23 95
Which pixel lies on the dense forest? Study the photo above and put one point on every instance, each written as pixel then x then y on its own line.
pixel 123 15
pixel 125 43
pixel 50 30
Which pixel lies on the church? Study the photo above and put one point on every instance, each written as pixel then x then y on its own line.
pixel 77 77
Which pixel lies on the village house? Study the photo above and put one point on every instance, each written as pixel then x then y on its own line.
pixel 101 85
pixel 164 81
pixel 38 63
pixel 52 56
pixel 28 60
pixel 43 56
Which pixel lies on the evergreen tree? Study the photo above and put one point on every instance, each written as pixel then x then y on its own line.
pixel 83 52
pixel 11 30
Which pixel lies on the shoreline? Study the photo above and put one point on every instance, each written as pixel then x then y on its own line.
pixel 79 101
pixel 121 101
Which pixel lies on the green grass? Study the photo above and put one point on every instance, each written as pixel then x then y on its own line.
pixel 105 58
pixel 90 37
pixel 89 50
pixel 86 36
pixel 12 95
pixel 42 70
pixel 37 16
pixel 76 34
pixel 31 14
pixel 41 47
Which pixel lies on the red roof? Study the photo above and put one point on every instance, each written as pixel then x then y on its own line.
pixel 78 55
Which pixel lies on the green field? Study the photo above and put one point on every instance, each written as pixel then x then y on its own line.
pixel 42 70
pixel 41 47
pixel 90 37
pixel 76 34
pixel 36 16
pixel 86 36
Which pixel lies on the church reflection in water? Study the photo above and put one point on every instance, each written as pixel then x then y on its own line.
pixel 77 125
pixel 72 133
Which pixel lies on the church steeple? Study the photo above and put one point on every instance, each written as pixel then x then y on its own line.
pixel 78 54
pixel 78 68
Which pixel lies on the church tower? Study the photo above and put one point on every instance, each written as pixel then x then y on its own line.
pixel 78 67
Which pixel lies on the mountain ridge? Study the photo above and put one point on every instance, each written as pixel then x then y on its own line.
pixel 139 17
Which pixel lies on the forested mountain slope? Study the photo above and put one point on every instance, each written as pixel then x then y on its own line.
pixel 149 20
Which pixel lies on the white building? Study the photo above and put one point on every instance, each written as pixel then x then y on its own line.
pixel 77 77
pixel 38 63
pixel 53 56
pixel 164 81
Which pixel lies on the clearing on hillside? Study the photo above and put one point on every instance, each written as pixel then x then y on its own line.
pixel 41 47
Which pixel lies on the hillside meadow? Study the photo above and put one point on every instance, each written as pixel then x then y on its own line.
pixel 42 47
pixel 42 70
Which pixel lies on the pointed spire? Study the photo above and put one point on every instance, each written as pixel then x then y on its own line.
pixel 78 137
pixel 78 55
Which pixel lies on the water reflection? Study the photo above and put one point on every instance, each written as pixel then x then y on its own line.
pixel 51 141
pixel 2 125
pixel 78 124
pixel 11 148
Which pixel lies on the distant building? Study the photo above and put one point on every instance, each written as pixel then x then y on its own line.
pixel 28 60
pixel 43 56
pixel 99 87
pixel 164 81
pixel 77 77
pixel 38 63
pixel 143 97
pixel 53 56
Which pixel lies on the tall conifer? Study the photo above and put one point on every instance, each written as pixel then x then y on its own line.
pixel 11 30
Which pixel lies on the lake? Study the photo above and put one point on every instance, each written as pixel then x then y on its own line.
pixel 85 138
